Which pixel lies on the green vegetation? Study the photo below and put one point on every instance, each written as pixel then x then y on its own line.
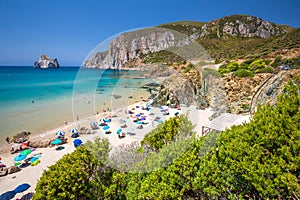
pixel 257 160
pixel 247 68
pixel 185 27
pixel 188 68
pixel 243 73
pixel 161 57
pixel 294 63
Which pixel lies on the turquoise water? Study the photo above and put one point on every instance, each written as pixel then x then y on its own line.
pixel 39 99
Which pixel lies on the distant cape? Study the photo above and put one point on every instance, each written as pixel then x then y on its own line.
pixel 45 62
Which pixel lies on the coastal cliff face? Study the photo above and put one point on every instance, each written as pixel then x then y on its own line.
pixel 127 47
pixel 45 62
pixel 132 45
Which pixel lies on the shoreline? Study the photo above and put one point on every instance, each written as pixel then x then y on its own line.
pixel 50 156
pixel 53 121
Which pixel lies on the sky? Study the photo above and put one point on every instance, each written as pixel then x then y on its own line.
pixel 70 29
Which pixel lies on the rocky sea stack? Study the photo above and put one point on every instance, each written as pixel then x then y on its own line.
pixel 45 62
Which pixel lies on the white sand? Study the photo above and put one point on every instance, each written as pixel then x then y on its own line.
pixel 31 174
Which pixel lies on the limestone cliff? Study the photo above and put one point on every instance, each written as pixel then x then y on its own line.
pixel 129 46
pixel 242 26
pixel 45 62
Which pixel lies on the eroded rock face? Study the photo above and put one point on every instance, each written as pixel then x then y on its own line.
pixel 243 26
pixel 45 62
pixel 239 91
pixel 129 46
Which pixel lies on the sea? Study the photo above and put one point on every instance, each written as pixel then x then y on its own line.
pixel 38 100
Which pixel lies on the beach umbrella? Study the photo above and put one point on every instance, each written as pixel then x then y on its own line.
pixel 20 157
pixel 60 133
pixel 177 113
pixel 57 141
pixel 74 130
pixel 77 142
pixel 138 115
pixel 22 188
pixel 138 122
pixel 106 127
pixel 8 195
pixel 26 152
pixel 119 131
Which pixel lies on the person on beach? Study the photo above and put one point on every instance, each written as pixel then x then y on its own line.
pixel 7 140
pixel 66 122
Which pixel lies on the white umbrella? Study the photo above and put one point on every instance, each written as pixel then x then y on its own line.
pixel 74 130
pixel 60 133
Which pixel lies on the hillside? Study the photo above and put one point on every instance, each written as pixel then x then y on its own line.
pixel 228 38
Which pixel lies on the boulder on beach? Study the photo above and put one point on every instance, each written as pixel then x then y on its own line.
pixel 39 143
pixel 21 137
pixel 13 169
pixel 3 171
pixel 84 130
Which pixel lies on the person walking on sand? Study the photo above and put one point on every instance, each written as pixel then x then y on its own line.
pixel 66 122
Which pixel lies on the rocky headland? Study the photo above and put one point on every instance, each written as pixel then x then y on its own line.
pixel 257 46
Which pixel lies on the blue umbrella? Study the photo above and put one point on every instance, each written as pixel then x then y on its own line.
pixel 74 130
pixel 77 142
pixel 8 195
pixel 177 113
pixel 106 127
pixel 34 158
pixel 22 188
pixel 119 131
pixel 57 141
pixel 20 157
pixel 138 122
pixel 60 133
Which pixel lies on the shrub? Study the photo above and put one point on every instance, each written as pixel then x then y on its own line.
pixel 188 68
pixel 257 64
pixel 233 66
pixel 243 73
pixel 223 69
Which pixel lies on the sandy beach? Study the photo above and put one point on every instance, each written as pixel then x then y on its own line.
pixel 50 155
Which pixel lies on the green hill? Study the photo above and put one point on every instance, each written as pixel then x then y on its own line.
pixel 239 36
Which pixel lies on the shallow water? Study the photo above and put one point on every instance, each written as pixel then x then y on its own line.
pixel 37 100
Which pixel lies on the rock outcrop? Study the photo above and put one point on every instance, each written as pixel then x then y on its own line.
pixel 242 26
pixel 129 46
pixel 45 62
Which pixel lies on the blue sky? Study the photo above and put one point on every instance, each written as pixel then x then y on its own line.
pixel 70 29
